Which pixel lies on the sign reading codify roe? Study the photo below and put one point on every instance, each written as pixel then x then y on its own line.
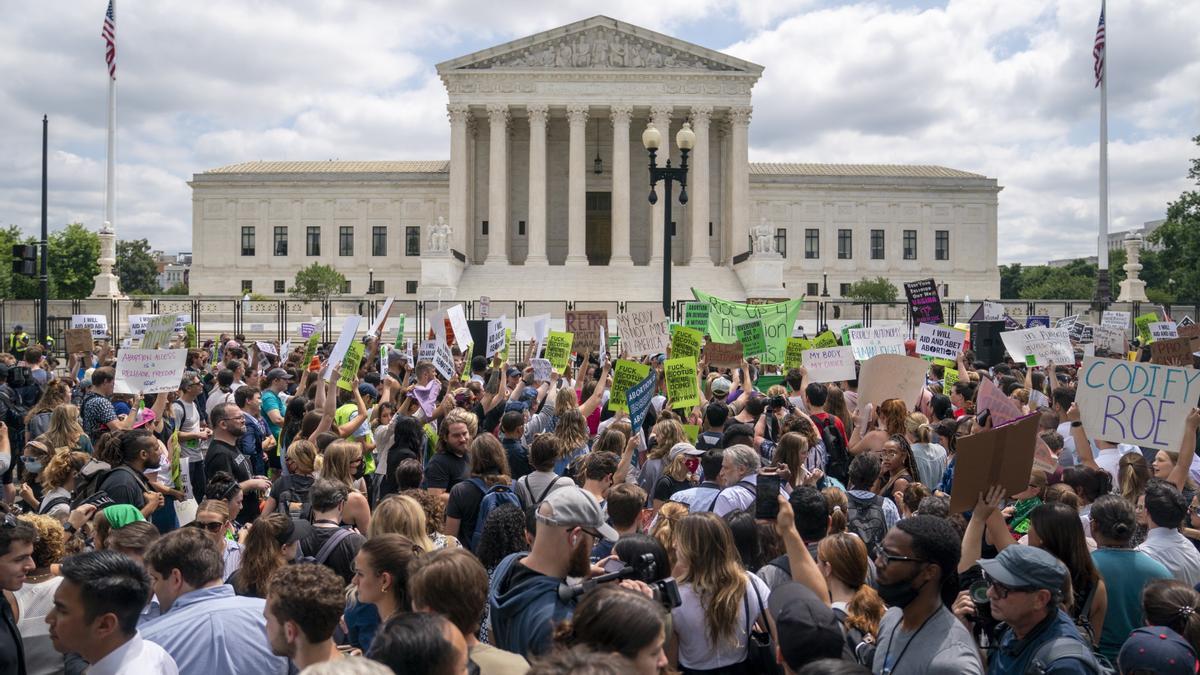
pixel 1139 403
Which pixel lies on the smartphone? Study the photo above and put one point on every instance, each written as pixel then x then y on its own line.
pixel 766 501
pixel 614 565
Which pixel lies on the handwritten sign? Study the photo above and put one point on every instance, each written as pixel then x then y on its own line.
pixel 586 326
pixel 1043 344
pixel 542 369
pixel 625 375
pixel 151 371
pixel 495 337
pixel 794 356
pixel 558 349
pixel 682 386
pixel 350 365
pixel 1143 404
pixel 1163 330
pixel 79 340
pixel 723 355
pixel 1116 319
pixel 832 364
pixel 870 342
pixel 923 301
pixel 891 376
pixel 993 311
pixel 686 342
pixel 695 316
pixel 940 342
pixel 753 338
pixel 1172 351
pixel 644 331
pixel 778 320
pixel 158 332
pixel 1109 338
pixel 97 323
pixel 485 307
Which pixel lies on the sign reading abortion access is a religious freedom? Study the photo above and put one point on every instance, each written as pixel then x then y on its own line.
pixel 1143 404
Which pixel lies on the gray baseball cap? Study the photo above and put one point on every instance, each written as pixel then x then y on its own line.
pixel 573 507
pixel 1026 567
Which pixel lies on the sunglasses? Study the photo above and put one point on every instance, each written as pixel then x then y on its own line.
pixel 211 527
pixel 1003 590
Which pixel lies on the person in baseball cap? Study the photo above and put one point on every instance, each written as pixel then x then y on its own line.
pixel 807 629
pixel 1025 587
pixel 1158 650
pixel 277 374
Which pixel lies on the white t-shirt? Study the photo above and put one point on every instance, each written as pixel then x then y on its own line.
pixel 695 651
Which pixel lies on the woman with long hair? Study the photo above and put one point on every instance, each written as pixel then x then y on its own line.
pixel 1089 485
pixel 876 426
pixel 65 430
pixel 435 515
pixel 835 404
pixel 301 462
pixel 897 470
pixel 503 534
pixel 381 573
pixel 272 543
pixel 839 509
pixel 57 479
pixel 37 420
pixel 930 456
pixel 675 476
pixel 842 559
pixel 489 468
pixel 1055 528
pixel 664 525
pixel 666 434
pixel 408 441
pixel 720 600
pixel 344 463
pixel 613 619
pixel 212 516
pixel 293 414
pixel 572 434
pixel 401 514
pixel 35 598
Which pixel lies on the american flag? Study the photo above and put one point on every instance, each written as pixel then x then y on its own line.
pixel 109 33
pixel 1098 49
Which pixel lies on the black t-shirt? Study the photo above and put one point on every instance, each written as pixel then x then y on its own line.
pixel 224 457
pixel 341 559
pixel 445 470
pixel 123 487
pixel 465 499
pixel 12 654
pixel 667 486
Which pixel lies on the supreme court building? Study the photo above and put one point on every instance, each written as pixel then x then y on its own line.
pixel 544 196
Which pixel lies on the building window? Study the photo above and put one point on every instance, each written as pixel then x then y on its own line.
pixel 248 240
pixel 412 240
pixel 247 286
pixel 410 287
pixel 910 244
pixel 280 286
pixel 941 245
pixel 844 290
pixel 312 241
pixel 876 244
pixel 376 287
pixel 280 245
pixel 814 289
pixel 521 228
pixel 812 243
pixel 845 245
pixel 346 240
pixel 379 240
pixel 483 228
pixel 781 241
pixel 346 287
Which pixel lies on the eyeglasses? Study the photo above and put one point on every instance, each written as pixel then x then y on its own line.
pixel 887 558
pixel 595 534
pixel 1003 590
pixel 211 527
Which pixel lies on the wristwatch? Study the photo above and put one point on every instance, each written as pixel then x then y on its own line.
pixel 1076 424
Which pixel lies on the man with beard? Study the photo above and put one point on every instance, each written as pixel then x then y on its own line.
pixel 448 466
pixel 524 600
pixel 228 424
pixel 304 604
pixel 130 454
pixel 916 573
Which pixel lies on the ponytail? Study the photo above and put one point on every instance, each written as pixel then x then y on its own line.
pixel 865 610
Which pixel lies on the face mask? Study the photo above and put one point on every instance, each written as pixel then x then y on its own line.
pixel 361 470
pixel 33 467
pixel 899 594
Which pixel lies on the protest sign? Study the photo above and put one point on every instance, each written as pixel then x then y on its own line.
pixel 639 397
pixel 268 348
pixel 720 355
pixel 1066 321
pixel 825 340
pixel 558 350
pixel 485 307
pixel 381 317
pixel 831 364
pixel 1001 407
pixel 158 332
pixel 307 329
pixel 427 351
pixel 1142 323
pixel 692 431
pixel 79 340
pixel 644 331
pixel 1163 330
pixel 891 376
pixel 695 316
pixel 542 368
pixel 350 365
pixel 1139 403
pixel 764 383
pixel 846 332
pixel 97 323
pixel 869 342
pixel 1115 319
pixel 1087 335
pixel 949 379
pixel 1037 321
pixel 443 360
pixel 683 389
pixel 993 311
pixel 625 375
pixel 586 326
pixel 1000 456
pixel 349 328
pixel 310 349
pixel 794 356
pixel 686 342
pixel 399 332
pixel 923 301
pixel 507 342
pixel 1075 331
pixel 1172 352
pixel 752 337
pixel 1109 338
pixel 151 371
pixel 495 337
pixel 1043 344
pixel 1186 321
pixel 778 319
pixel 458 324
pixel 138 323
pixel 941 342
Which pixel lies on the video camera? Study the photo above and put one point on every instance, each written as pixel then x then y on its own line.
pixel 643 569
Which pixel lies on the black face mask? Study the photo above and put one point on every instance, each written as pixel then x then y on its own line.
pixel 899 594
pixel 361 470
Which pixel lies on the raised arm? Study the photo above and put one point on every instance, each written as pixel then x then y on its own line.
pixel 972 541
pixel 1187 451
pixel 593 402
pixel 1083 447
pixel 803 568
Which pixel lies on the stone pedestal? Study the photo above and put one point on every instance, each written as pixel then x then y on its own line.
pixel 440 273
pixel 107 285
pixel 1133 289
pixel 762 275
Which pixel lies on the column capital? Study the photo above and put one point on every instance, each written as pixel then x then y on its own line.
pixel 537 113
pixel 458 113
pixel 498 113
pixel 701 115
pixel 621 114
pixel 659 112
pixel 740 114
pixel 577 113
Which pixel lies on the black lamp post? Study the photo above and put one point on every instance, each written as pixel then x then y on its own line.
pixel 686 140
pixel 370 281
pixel 825 285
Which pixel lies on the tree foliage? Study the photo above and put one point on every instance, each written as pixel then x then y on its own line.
pixel 179 288
pixel 878 289
pixel 136 268
pixel 1180 239
pixel 74 254
pixel 14 286
pixel 317 282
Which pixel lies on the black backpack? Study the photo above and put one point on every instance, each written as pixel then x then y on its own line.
pixel 93 475
pixel 294 494
pixel 861 645
pixel 837 455
pixel 14 418
pixel 866 520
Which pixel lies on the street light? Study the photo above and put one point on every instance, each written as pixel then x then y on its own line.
pixel 370 281
pixel 686 140
pixel 825 285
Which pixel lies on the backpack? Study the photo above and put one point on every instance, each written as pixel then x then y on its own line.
pixel 493 498
pixel 20 378
pixel 294 494
pixel 1066 647
pixel 93 475
pixel 837 456
pixel 861 644
pixel 866 520
pixel 14 417
pixel 541 498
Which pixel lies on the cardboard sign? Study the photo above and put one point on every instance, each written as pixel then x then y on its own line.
pixel 940 342
pixel 644 331
pixel 79 340
pixel 443 360
pixel 639 397
pixel 458 324
pixel 794 356
pixel 625 375
pixel 495 337
pixel 993 311
pixel 349 328
pixel 891 376
pixel 723 356
pixel 695 316
pixel 1142 323
pixel 381 317
pixel 1191 331
pixel 1172 352
pixel 350 364
pixel 1037 321
pixel 97 323
pixel 683 389
pixel 869 342
pixel 542 369
pixel 151 371
pixel 158 332
pixel 686 342
pixel 558 350
pixel 923 301
pixel 825 340
pixel 753 338
pixel 990 397
pixel 586 326
pixel 778 319
pixel 1109 339
pixel 832 364
pixel 1000 456
pixel 1163 330
pixel 1144 404
pixel 1043 344
pixel 1116 319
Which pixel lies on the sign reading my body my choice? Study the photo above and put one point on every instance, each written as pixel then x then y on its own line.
pixel 1143 404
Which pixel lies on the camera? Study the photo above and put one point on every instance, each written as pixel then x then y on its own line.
pixel 778 402
pixel 644 569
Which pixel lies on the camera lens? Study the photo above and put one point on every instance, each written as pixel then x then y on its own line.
pixel 979 593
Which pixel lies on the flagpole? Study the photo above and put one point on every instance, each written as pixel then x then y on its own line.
pixel 1103 292
pixel 106 283
pixel 110 174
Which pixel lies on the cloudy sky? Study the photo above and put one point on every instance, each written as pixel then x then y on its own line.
pixel 1000 88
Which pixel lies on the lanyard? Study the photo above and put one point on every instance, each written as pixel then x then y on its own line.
pixel 888 664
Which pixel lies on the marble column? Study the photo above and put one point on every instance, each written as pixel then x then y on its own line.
pixel 537 185
pixel 577 186
pixel 498 186
pixel 698 184
pixel 620 186
pixel 739 179
pixel 660 117
pixel 459 176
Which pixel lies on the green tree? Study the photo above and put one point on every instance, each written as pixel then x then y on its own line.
pixel 1180 239
pixel 878 289
pixel 317 282
pixel 74 255
pixel 178 289
pixel 1010 281
pixel 14 286
pixel 136 268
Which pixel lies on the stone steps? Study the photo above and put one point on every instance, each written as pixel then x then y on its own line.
pixel 595 283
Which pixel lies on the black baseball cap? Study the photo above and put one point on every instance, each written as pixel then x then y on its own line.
pixel 808 630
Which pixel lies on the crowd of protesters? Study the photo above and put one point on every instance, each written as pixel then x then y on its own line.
pixel 264 519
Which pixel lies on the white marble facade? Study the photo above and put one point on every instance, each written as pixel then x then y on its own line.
pixel 527 120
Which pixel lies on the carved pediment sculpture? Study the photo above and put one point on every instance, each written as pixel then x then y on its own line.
pixel 600 48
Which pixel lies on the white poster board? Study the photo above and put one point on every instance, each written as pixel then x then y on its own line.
pixel 382 316
pixel 940 342
pixel 832 364
pixel 1113 319
pixel 1042 344
pixel 349 328
pixel 458 324
pixel 1144 404
pixel 644 331
pixel 97 323
pixel 870 342
pixel 891 376
pixel 495 337
pixel 1164 330
pixel 151 371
